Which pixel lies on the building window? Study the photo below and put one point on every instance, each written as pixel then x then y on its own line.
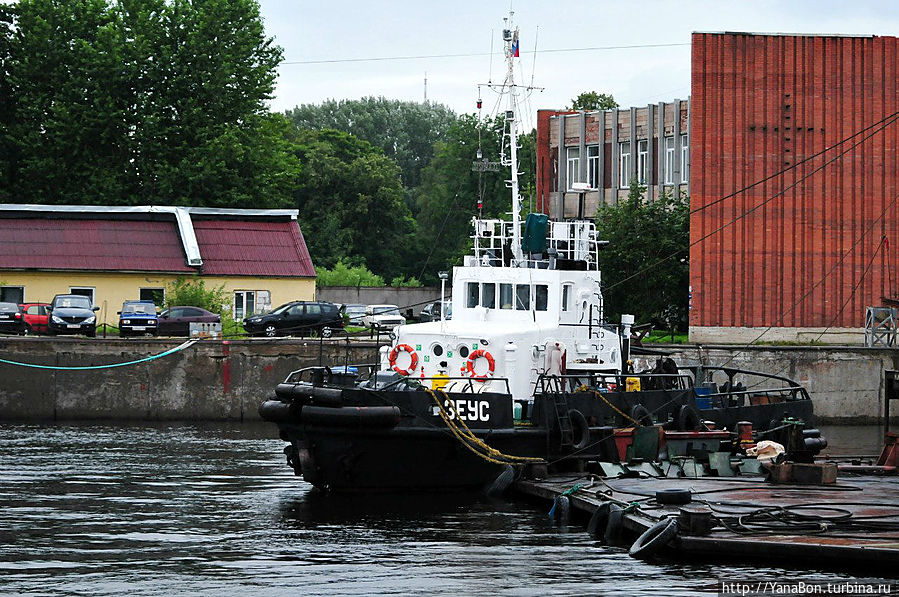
pixel 488 296
pixel 684 158
pixel 624 165
pixel 642 153
pixel 248 302
pixel 83 291
pixel 669 160
pixel 505 296
pixel 472 295
pixel 593 166
pixel 574 165
pixel 157 295
pixel 12 294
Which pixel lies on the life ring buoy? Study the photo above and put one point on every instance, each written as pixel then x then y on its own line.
pixel 413 358
pixel 654 539
pixel 491 365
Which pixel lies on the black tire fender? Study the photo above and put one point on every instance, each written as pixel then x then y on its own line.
pixel 653 539
pixel 599 520
pixel 688 419
pixel 561 509
pixel 614 524
pixel 641 415
pixel 502 482
pixel 581 429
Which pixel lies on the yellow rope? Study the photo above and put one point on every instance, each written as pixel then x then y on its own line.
pixel 470 440
pixel 615 408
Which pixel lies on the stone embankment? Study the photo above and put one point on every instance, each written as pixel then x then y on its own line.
pixel 226 380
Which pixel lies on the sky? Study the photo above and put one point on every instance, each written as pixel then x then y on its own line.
pixel 353 49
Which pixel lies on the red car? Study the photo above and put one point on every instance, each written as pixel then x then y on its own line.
pixel 36 315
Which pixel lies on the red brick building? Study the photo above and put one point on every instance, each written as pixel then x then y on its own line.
pixel 793 182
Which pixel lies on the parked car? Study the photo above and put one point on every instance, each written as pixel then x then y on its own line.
pixel 12 321
pixel 431 312
pixel 353 314
pixel 138 318
pixel 296 318
pixel 72 314
pixel 382 317
pixel 175 321
pixel 36 316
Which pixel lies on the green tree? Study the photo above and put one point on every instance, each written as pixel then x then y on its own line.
pixel 645 267
pixel 351 204
pixel 345 275
pixel 591 100
pixel 448 196
pixel 194 292
pixel 406 131
pixel 143 101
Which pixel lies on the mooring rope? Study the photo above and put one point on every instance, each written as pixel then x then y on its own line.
pixel 467 436
pixel 180 347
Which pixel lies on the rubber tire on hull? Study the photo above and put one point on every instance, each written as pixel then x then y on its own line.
pixel 580 429
pixel 655 538
pixel 688 419
pixel 641 415
pixel 599 521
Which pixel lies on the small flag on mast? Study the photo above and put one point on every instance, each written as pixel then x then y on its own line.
pixel 515 44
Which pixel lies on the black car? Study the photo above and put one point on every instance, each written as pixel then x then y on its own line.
pixel 432 311
pixel 72 314
pixel 296 319
pixel 12 321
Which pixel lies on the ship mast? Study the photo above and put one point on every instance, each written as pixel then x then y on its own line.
pixel 510 39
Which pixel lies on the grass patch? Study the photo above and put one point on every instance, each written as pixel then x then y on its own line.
pixel 663 337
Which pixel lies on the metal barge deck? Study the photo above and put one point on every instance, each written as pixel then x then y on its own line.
pixel 848 524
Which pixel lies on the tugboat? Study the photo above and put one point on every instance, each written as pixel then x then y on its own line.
pixel 527 373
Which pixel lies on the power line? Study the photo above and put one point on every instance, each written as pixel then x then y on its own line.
pixel 478 54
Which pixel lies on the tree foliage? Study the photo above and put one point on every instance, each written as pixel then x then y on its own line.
pixel 345 275
pixel 448 196
pixel 141 101
pixel 193 292
pixel 591 100
pixel 351 203
pixel 405 131
pixel 645 267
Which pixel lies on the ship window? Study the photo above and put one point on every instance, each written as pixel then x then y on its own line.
pixel 463 351
pixel 541 297
pixel 522 297
pixel 566 297
pixel 488 296
pixel 505 296
pixel 437 350
pixel 472 300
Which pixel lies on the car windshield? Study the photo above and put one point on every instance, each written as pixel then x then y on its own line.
pixel 8 307
pixel 80 302
pixel 386 309
pixel 355 310
pixel 144 308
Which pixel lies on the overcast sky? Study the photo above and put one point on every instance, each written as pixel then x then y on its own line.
pixel 411 38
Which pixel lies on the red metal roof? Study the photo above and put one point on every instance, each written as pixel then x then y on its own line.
pixel 91 245
pixel 253 248
pixel 228 247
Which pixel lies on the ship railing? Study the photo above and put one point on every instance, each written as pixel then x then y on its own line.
pixel 742 387
pixel 613 382
pixel 469 385
pixel 568 243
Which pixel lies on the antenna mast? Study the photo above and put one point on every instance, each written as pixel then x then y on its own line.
pixel 510 39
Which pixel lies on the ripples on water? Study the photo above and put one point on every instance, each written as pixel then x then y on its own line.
pixel 213 510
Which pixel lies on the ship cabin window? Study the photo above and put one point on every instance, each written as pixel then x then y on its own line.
pixel 505 296
pixel 541 297
pixel 472 295
pixel 523 297
pixel 488 296
pixel 566 297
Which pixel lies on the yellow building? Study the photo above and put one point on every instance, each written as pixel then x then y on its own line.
pixel 114 254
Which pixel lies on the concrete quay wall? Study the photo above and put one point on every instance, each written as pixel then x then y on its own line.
pixel 209 381
pixel 227 380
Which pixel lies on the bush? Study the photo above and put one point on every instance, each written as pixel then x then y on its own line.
pixel 343 275
pixel 194 293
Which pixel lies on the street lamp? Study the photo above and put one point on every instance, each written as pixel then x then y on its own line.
pixel 443 276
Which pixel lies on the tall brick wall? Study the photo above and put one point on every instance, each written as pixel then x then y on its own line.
pixel 815 240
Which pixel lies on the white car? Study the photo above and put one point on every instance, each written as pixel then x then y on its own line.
pixel 382 317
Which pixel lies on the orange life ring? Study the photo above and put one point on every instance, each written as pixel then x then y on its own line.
pixel 491 365
pixel 412 355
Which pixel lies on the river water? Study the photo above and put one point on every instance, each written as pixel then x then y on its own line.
pixel 212 509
